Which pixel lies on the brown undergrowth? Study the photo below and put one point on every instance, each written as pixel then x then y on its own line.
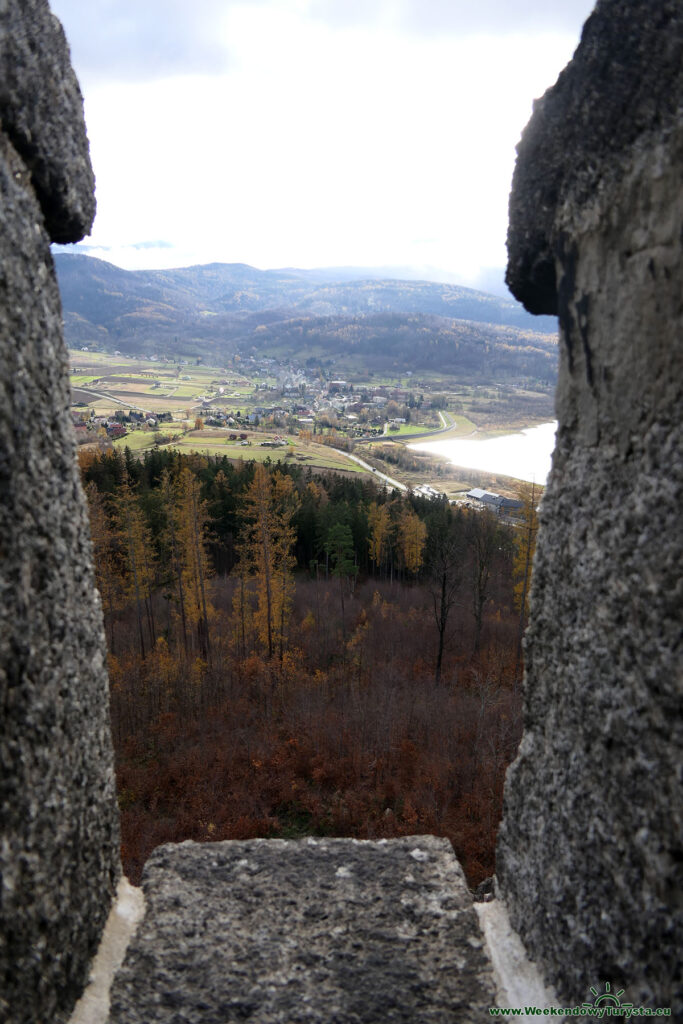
pixel 349 738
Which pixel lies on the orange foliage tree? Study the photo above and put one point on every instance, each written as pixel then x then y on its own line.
pixel 269 506
pixel 196 569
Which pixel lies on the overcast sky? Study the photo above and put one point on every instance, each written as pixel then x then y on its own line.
pixel 311 133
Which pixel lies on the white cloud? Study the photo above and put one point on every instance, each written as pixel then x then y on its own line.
pixel 137 40
pixel 462 17
pixel 317 143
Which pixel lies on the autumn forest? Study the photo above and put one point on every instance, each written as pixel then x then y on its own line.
pixel 294 655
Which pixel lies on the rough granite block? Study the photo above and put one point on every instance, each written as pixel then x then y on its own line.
pixel 41 108
pixel 332 931
pixel 589 850
pixel 59 838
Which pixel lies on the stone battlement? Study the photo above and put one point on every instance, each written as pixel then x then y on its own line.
pixel 336 930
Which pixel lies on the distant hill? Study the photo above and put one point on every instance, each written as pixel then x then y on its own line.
pixel 391 342
pixel 221 308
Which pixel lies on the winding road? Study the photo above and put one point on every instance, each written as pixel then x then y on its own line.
pixel 371 469
pixel 447 424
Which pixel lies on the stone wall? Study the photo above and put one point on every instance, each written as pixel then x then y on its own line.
pixel 590 843
pixel 589 850
pixel 59 859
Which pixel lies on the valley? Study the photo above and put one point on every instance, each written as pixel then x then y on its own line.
pixel 265 409
pixel 230 360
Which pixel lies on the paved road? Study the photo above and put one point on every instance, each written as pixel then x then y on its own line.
pixel 447 423
pixel 110 398
pixel 371 469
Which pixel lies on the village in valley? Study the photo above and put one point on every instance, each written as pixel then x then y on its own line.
pixel 263 410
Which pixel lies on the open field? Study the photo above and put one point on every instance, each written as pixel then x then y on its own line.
pixel 318 457
pixel 104 383
pixel 502 409
pixel 407 429
pixel 420 468
pixel 216 442
pixel 136 440
pixel 461 426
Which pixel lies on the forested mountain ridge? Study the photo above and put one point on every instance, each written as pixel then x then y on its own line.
pixel 390 342
pixel 218 309
pixel 238 288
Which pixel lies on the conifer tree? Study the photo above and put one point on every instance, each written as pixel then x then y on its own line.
pixel 168 497
pixel 484 544
pixel 192 520
pixel 241 603
pixel 445 563
pixel 107 567
pixel 339 546
pixel 138 555
pixel 286 505
pixel 269 506
pixel 259 512
pixel 380 525
pixel 412 535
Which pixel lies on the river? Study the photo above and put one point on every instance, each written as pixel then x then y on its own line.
pixel 524 456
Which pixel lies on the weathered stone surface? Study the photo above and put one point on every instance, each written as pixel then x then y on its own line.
pixel 331 930
pixel 58 817
pixel 624 81
pixel 41 109
pixel 589 850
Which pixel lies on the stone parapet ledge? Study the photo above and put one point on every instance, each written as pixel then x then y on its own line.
pixel 318 930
